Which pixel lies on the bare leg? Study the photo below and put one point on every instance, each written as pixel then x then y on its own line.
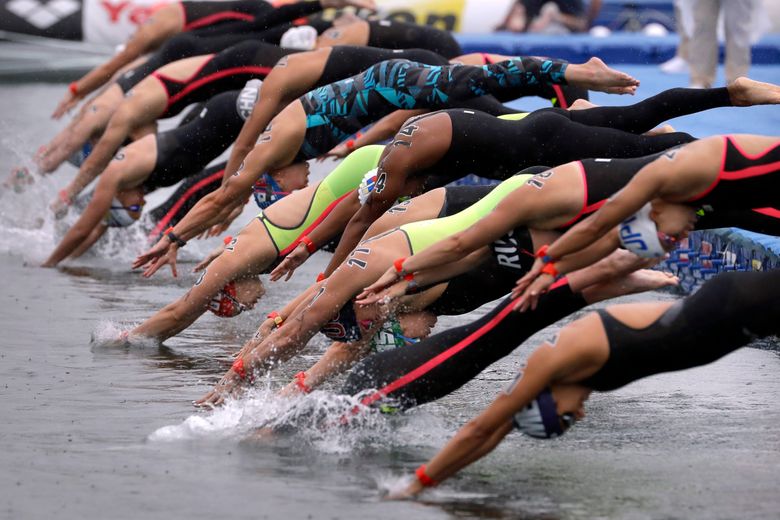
pixel 636 282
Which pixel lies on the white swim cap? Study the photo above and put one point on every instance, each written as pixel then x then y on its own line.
pixel 367 186
pixel 639 234
pixel 245 102
pixel 540 419
pixel 303 38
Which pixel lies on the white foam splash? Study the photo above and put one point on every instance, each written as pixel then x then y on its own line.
pixel 109 333
pixel 389 484
pixel 28 227
pixel 323 420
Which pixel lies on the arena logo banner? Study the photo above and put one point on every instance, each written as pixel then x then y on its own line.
pixel 52 18
pixel 113 21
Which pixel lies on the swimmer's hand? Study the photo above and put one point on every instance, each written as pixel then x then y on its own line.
pixel 68 102
pixel 163 252
pixel 60 205
pixel 531 286
pixel 408 493
pixel 218 229
pixel 229 386
pixel 291 262
pixel 386 280
pixel 359 4
pixel 213 254
pixel 385 296
pixel 337 152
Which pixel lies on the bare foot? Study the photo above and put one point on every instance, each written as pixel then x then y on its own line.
pixel 663 129
pixel 636 282
pixel 595 75
pixel 647 280
pixel 745 92
pixel 582 104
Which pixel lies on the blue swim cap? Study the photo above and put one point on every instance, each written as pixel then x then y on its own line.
pixel 267 191
pixel 540 418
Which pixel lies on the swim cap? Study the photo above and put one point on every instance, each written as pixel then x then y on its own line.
pixel 224 304
pixel 245 102
pixel 343 326
pixel 367 186
pixel 390 336
pixel 540 419
pixel 119 215
pixel 303 38
pixel 267 191
pixel 79 156
pixel 639 234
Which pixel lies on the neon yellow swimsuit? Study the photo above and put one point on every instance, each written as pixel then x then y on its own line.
pixel 427 232
pixel 344 179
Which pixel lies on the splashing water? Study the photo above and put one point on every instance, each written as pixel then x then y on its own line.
pixel 330 423
pixel 109 333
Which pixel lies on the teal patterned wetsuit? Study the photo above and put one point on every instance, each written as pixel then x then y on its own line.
pixel 336 111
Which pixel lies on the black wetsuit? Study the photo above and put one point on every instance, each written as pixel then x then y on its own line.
pixel 214 17
pixel 442 363
pixel 744 181
pixel 760 220
pixel 389 34
pixel 347 60
pixel 268 25
pixel 185 150
pixel 189 192
pixel 227 70
pixel 728 312
pixel 496 148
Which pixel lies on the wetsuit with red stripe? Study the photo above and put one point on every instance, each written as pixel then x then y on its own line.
pixel 744 180
pixel 189 192
pixel 442 363
pixel 187 45
pixel 256 14
pixel 227 70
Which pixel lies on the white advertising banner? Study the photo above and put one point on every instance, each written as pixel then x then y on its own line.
pixel 113 21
